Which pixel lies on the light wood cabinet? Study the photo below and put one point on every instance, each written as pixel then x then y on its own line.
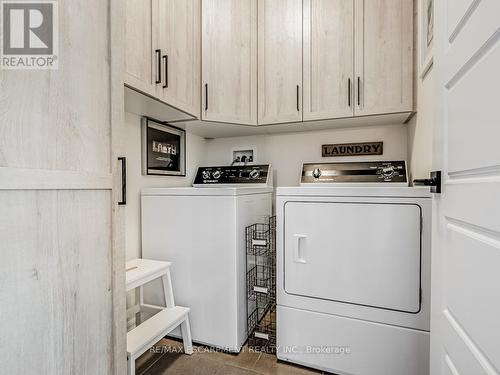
pixel 163 51
pixel 279 61
pixel 384 56
pixel 179 31
pixel 139 51
pixel 229 61
pixel 328 59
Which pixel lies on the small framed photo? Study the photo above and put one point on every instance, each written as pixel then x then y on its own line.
pixel 163 149
pixel 425 36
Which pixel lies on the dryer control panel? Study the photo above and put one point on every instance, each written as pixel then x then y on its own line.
pixel 356 173
pixel 238 175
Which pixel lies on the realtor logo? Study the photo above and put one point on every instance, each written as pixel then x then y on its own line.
pixel 29 34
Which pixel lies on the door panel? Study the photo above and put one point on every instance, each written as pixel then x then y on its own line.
pixel 384 56
pixel 466 245
pixel 371 256
pixel 61 272
pixel 469 296
pixel 180 40
pixel 229 61
pixel 139 51
pixel 56 281
pixel 279 61
pixel 328 59
pixel 463 112
pixel 36 131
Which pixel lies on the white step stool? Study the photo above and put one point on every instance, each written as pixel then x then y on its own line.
pixel 167 318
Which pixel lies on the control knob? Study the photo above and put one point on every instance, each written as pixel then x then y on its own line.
pixel 216 174
pixel 316 173
pixel 205 175
pixel 388 172
pixel 254 173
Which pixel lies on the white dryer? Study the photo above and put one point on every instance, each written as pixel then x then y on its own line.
pixel 353 270
pixel 202 232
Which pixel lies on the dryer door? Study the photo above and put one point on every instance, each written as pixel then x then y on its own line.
pixel 358 253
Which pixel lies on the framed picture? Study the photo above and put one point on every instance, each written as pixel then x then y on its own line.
pixel 425 36
pixel 163 149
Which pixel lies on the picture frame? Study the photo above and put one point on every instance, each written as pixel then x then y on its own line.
pixel 425 36
pixel 163 149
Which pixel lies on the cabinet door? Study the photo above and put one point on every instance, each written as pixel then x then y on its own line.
pixel 328 59
pixel 279 61
pixel 384 56
pixel 139 51
pixel 179 30
pixel 61 229
pixel 229 61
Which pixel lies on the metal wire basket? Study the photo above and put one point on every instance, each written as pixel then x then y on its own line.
pixel 261 238
pixel 261 285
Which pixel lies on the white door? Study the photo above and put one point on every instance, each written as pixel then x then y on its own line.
pixel 279 61
pixel 384 56
pixel 465 323
pixel 62 286
pixel 326 258
pixel 328 59
pixel 229 61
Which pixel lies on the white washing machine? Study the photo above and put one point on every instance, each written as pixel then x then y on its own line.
pixel 202 232
pixel 353 270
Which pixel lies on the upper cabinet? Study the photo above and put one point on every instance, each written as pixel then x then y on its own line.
pixel 180 45
pixel 162 51
pixel 229 55
pixel 369 74
pixel 328 59
pixel 279 61
pixel 383 56
pixel 266 62
pixel 139 51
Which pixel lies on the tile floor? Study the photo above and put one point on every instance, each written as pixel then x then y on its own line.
pixel 167 358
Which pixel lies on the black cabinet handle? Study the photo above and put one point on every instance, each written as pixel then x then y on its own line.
pixel 206 96
pixel 349 92
pixel 359 92
pixel 165 57
pixel 298 108
pixel 123 159
pixel 158 67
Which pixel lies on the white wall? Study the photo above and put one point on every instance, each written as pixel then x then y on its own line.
pixel 420 130
pixel 420 127
pixel 287 152
pixel 195 155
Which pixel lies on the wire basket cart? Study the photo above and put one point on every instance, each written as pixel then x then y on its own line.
pixel 261 285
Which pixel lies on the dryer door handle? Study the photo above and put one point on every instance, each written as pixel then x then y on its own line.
pixel 297 253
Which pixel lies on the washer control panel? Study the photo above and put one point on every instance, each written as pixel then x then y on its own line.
pixel 358 173
pixel 232 175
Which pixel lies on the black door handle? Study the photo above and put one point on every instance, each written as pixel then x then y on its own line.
pixel 359 92
pixel 206 96
pixel 158 68
pixel 434 182
pixel 349 92
pixel 123 159
pixel 165 57
pixel 298 108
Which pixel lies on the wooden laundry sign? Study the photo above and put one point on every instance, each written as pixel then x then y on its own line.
pixel 352 149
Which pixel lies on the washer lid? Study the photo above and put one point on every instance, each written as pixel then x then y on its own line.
pixel 214 191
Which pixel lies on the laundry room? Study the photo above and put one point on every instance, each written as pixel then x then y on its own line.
pixel 249 187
